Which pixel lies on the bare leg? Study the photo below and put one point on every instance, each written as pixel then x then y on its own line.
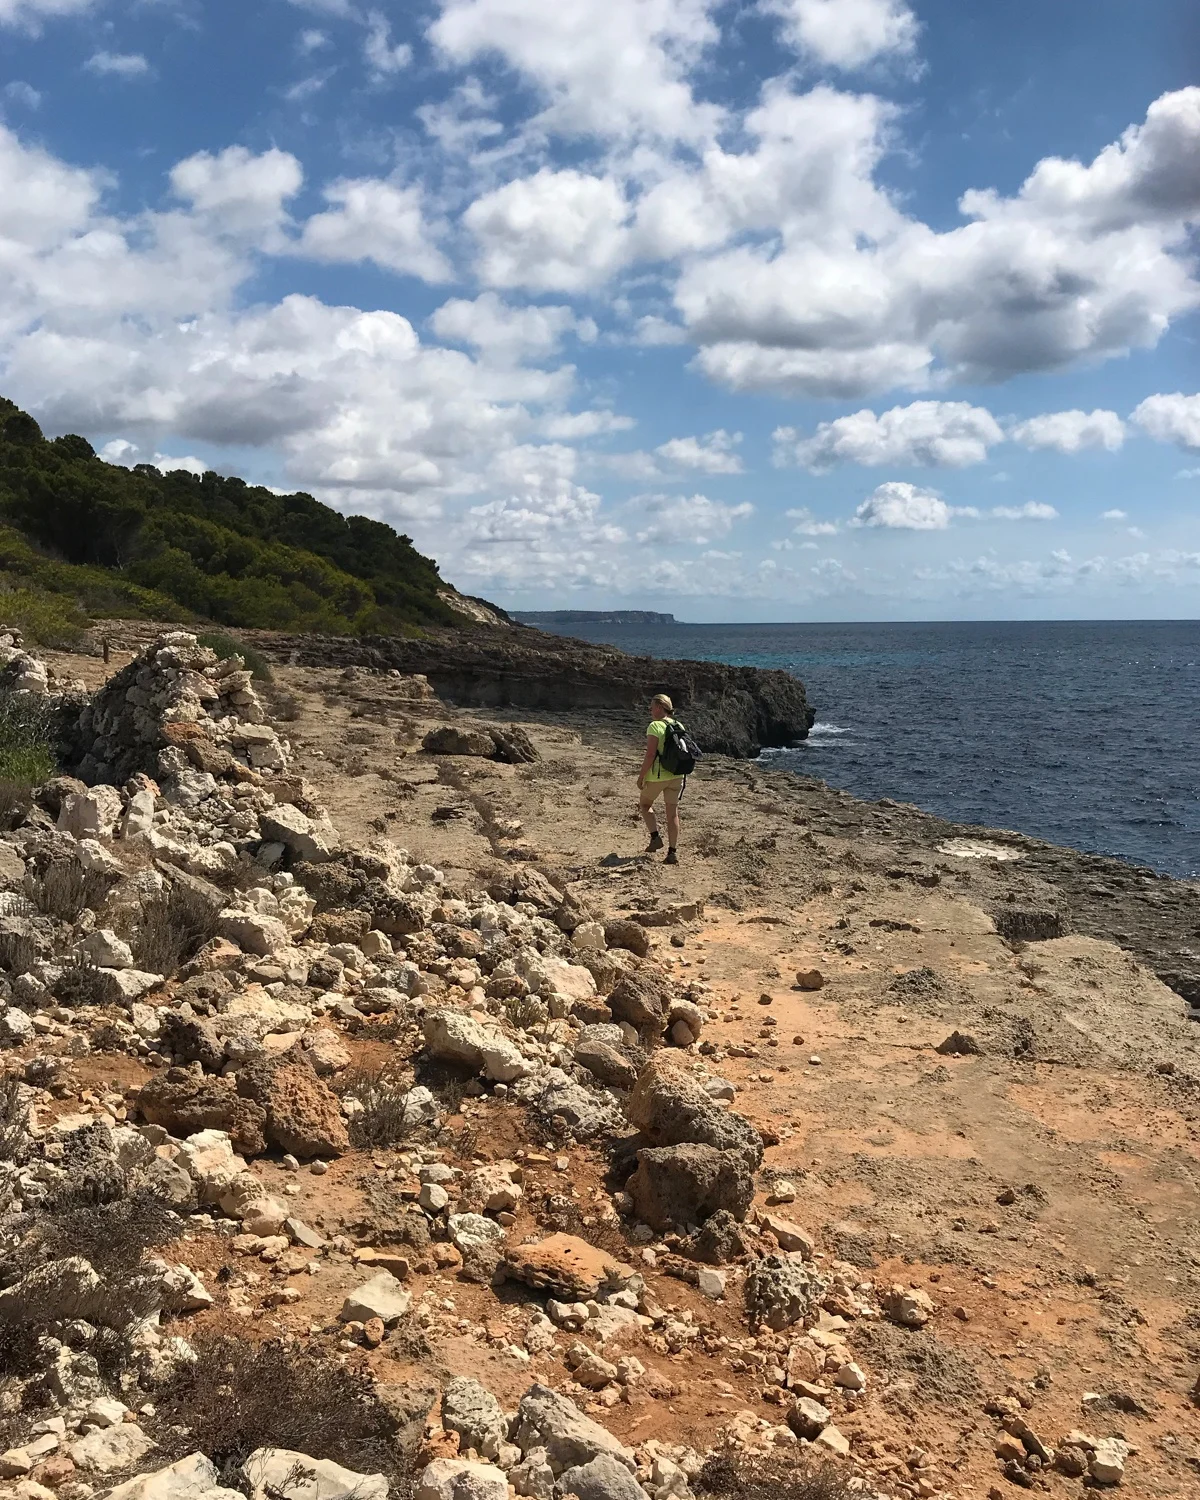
pixel 646 806
pixel 671 804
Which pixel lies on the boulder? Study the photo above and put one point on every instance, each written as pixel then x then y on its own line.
pixel 566 1266
pixel 192 1478
pixel 460 1479
pixel 789 1236
pixel 629 935
pixel 92 814
pixel 272 1473
pixel 303 1114
pixel 382 1297
pixel 184 1103
pixel 909 1306
pixel 781 1290
pixel 604 1061
pixel 603 1478
pixel 304 837
pixel 472 1232
pixel 252 932
pixel 670 1108
pixel 686 1184
pixel 106 949
pixel 638 998
pixel 108 1450
pixel 808 1418
pixel 454 1037
pixel 471 1410
pixel 453 739
pixel 548 1420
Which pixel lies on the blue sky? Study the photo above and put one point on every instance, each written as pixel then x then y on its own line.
pixel 777 309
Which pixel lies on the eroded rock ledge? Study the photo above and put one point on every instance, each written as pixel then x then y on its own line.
pixel 734 711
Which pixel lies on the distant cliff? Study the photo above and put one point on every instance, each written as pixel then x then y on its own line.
pixel 591 617
pixel 732 710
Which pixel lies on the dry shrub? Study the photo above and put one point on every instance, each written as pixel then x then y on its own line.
pixel 359 734
pixel 80 983
pixel 65 888
pixel 239 1396
pixel 171 929
pixel 14 1120
pixel 16 800
pixel 779 1477
pixel 526 1011
pixel 383 1119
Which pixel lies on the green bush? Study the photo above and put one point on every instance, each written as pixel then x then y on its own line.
pixel 137 543
pixel 27 755
pixel 45 619
pixel 227 645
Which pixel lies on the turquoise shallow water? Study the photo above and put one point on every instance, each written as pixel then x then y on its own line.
pixel 1083 733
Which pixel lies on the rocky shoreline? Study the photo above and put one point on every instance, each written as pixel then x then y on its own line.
pixel 735 711
pixel 383 1075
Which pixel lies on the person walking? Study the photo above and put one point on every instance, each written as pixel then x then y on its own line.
pixel 654 781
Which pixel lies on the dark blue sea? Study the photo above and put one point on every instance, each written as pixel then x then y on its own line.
pixel 1082 733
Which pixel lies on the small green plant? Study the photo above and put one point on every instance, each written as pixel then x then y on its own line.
pixel 26 740
pixel 45 619
pixel 227 645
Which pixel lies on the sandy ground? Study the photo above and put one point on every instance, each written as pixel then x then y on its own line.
pixel 1045 1191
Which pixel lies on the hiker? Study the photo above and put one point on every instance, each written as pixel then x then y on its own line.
pixel 654 779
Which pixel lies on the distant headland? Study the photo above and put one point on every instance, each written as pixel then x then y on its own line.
pixel 591 617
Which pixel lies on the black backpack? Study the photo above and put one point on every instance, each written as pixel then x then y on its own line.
pixel 680 752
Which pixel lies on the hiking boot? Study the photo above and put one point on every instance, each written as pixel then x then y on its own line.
pixel 655 843
pixel 672 858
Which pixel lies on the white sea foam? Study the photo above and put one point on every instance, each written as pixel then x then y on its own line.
pixel 819 728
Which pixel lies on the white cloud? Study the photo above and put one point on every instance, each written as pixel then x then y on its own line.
pixel 571 426
pixel 903 507
pixel 808 525
pixel 712 454
pixel 1083 263
pixel 239 194
pixel 117 64
pixel 382 56
pixel 28 14
pixel 24 94
pixel 127 454
pixel 654 332
pixel 609 68
pixel 378 221
pixel 505 332
pixel 1114 515
pixel 847 33
pixel 1171 419
pixel 311 40
pixel 555 231
pixel 951 434
pixel 694 519
pixel 1032 510
pixel 1071 431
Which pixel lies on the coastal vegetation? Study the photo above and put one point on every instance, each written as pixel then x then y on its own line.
pixel 81 537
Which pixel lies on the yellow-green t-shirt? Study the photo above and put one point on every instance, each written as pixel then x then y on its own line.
pixel 658 772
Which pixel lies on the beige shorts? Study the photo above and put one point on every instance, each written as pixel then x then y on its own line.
pixel 670 792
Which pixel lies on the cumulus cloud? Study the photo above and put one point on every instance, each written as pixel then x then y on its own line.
pixel 1114 515
pixel 608 68
pixel 1071 431
pixel 847 33
pixel 1032 510
pixel 712 454
pixel 378 221
pixel 239 194
pixel 808 525
pixel 555 231
pixel 1083 262
pixel 28 14
pixel 22 93
pixel 383 57
pixel 693 519
pixel 1170 419
pixel 509 333
pixel 117 64
pixel 899 506
pixel 950 434
pixel 127 454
